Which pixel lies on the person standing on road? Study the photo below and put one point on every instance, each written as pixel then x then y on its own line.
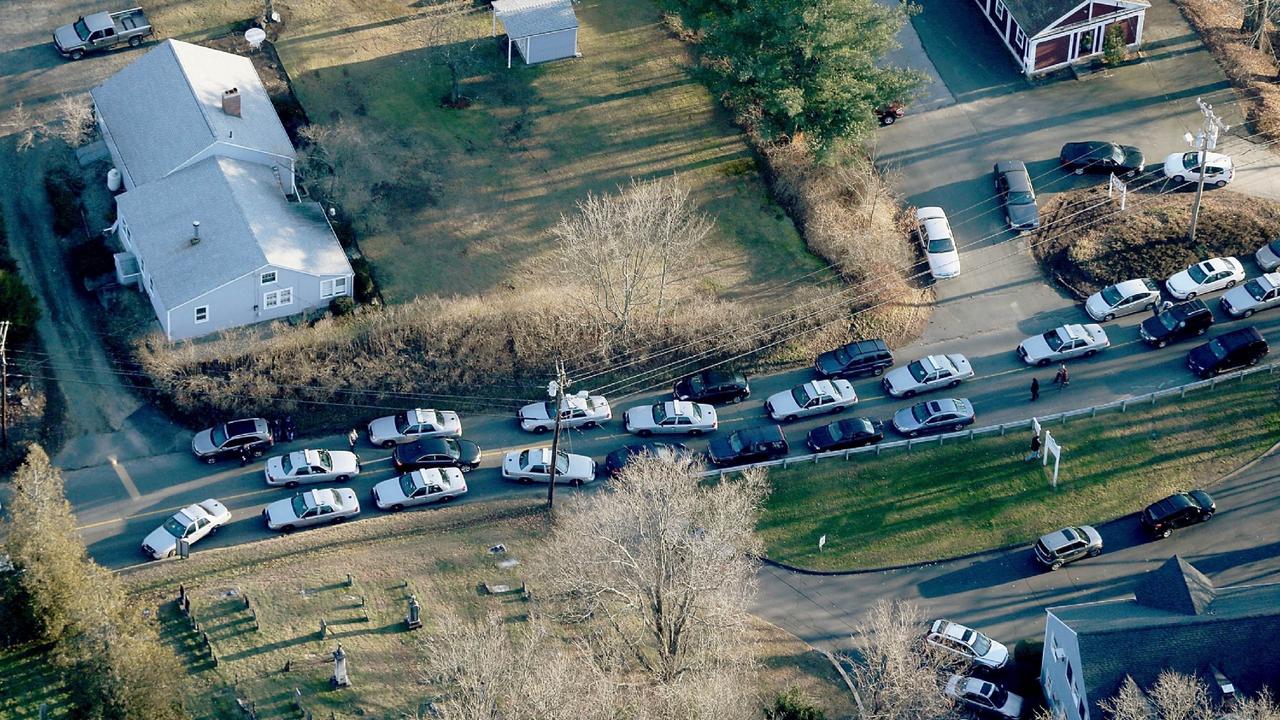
pixel 1035 449
pixel 1062 379
pixel 352 437
pixel 244 455
pixel 1035 389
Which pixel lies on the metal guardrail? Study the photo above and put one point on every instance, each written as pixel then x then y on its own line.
pixel 1061 418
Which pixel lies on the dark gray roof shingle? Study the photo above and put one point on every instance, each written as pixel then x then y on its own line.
pixel 1179 621
pixel 1036 15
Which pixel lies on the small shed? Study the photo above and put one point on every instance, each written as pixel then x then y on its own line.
pixel 540 30
pixel 1045 35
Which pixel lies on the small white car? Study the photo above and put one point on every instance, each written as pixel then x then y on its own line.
pixel 311 466
pixel 673 417
pixel 1257 294
pixel 419 488
pixel 1185 167
pixel 1123 298
pixel 191 523
pixel 387 432
pixel 927 373
pixel 579 410
pixel 939 244
pixel 1205 277
pixel 534 465
pixel 983 696
pixel 1268 256
pixel 313 507
pixel 1064 343
pixel 968 643
pixel 816 397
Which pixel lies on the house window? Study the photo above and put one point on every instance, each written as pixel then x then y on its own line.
pixel 268 277
pixel 1071 674
pixel 202 314
pixel 333 288
pixel 1020 38
pixel 277 298
pixel 1000 9
pixel 1084 714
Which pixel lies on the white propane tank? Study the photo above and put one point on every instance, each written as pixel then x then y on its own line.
pixel 113 180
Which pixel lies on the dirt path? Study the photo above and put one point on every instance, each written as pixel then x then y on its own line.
pixel 104 418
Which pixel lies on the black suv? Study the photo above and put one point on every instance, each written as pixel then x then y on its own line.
pixel 437 453
pixel 1237 348
pixel 713 386
pixel 230 438
pixel 764 442
pixel 860 357
pixel 1178 510
pixel 1180 321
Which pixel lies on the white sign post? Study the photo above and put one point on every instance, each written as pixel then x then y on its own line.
pixel 1052 446
pixel 822 541
pixel 1117 184
pixel 1035 426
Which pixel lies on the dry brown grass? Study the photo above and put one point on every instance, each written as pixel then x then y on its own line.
pixel 1252 71
pixel 440 556
pixel 851 217
pixel 1150 240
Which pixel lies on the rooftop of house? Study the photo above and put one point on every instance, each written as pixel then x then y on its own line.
pixel 246 223
pixel 166 107
pixel 1036 15
pixel 1178 620
pixel 525 18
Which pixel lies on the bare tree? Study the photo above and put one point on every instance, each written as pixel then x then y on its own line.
pixel 620 249
pixel 1129 703
pixel 662 566
pixel 451 44
pixel 1174 696
pixel 73 122
pixel 24 126
pixel 339 157
pixel 897 676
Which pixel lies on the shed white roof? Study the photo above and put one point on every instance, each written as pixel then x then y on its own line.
pixel 245 223
pixel 523 18
pixel 165 107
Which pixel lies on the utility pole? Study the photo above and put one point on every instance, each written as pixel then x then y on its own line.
pixel 556 389
pixel 4 382
pixel 1204 141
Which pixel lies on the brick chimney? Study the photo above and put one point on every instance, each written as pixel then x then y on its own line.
pixel 231 102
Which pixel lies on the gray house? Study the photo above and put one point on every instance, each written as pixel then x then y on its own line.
pixel 214 231
pixel 1177 620
pixel 540 30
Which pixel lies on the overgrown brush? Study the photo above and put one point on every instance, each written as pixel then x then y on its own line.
pixel 496 350
pixel 851 217
pixel 1098 247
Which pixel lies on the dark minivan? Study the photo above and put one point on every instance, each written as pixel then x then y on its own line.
pixel 713 386
pixel 1235 349
pixel 1180 321
pixel 763 442
pixel 860 357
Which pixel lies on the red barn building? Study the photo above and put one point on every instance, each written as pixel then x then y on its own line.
pixel 1045 35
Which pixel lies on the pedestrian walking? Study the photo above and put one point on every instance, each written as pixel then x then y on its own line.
pixel 1062 379
pixel 1035 449
pixel 352 437
pixel 290 430
pixel 1035 389
pixel 245 454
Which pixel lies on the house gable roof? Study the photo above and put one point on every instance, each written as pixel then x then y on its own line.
pixel 524 18
pixel 166 107
pixel 246 223
pixel 1035 16
pixel 1197 626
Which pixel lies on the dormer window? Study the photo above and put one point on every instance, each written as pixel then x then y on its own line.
pixel 268 277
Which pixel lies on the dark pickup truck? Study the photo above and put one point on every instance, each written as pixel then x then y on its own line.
pixel 101 31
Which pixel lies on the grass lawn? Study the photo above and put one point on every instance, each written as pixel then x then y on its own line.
pixel 940 502
pixel 472 193
pixel 27 680
pixel 294 581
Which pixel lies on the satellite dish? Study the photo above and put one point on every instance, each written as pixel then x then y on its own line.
pixel 255 36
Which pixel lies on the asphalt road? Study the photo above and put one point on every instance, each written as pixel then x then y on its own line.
pixel 1005 593
pixel 118 503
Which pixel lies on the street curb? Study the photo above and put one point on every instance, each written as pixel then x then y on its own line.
pixel 989 551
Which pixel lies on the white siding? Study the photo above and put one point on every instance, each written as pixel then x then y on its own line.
pixel 552 46
pixel 1061 675
pixel 245 301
